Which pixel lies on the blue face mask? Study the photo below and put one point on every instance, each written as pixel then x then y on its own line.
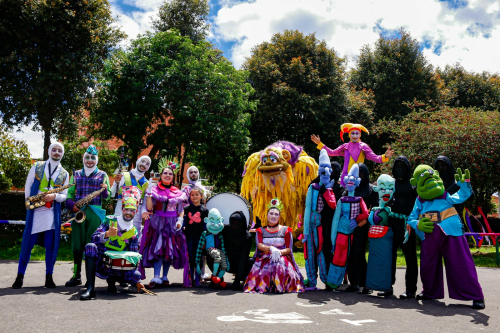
pixel 214 221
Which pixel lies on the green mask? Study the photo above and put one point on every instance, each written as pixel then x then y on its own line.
pixel 429 184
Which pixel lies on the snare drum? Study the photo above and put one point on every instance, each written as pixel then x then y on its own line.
pixel 123 263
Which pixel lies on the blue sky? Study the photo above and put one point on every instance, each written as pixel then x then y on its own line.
pixel 450 31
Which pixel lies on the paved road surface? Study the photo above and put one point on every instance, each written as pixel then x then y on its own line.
pixel 178 309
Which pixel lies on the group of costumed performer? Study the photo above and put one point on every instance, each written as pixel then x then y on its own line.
pixel 133 178
pixel 320 207
pixel 163 243
pixel 274 269
pixel 87 180
pixel 43 224
pixel 437 223
pixel 115 237
pixel 282 170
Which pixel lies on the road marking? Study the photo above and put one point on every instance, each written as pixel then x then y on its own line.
pixel 261 316
pixel 358 322
pixel 336 312
pixel 310 305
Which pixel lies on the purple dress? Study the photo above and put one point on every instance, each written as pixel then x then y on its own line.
pixel 159 239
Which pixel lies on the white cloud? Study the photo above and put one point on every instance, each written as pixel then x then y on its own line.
pixel 135 22
pixel 348 25
pixel 33 139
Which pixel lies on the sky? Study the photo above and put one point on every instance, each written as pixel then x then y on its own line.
pixel 449 31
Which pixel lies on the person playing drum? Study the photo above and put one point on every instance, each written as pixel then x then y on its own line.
pixel 116 237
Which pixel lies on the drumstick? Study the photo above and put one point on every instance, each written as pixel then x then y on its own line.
pixel 149 292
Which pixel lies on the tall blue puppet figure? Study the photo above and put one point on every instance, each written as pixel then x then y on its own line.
pixel 318 195
pixel 43 224
pixel 352 212
pixel 379 271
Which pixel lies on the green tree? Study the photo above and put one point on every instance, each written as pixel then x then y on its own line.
pixel 469 137
pixel 50 54
pixel 299 84
pixel 396 70
pixel 15 162
pixel 166 92
pixel 463 88
pixel 187 16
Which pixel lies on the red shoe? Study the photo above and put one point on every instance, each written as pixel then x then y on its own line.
pixel 165 283
pixel 215 279
pixel 223 285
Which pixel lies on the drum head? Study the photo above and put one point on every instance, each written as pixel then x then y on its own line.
pixel 228 203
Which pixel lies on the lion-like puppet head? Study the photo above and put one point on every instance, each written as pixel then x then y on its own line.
pixel 273 161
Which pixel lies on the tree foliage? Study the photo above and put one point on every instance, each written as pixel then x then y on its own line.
pixel 15 160
pixel 469 137
pixel 299 84
pixel 189 17
pixel 464 88
pixel 166 92
pixel 396 70
pixel 50 54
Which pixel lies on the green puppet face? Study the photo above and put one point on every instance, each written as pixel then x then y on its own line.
pixel 385 189
pixel 429 184
pixel 214 222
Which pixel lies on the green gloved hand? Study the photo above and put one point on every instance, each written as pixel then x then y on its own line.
pixel 425 225
pixel 459 177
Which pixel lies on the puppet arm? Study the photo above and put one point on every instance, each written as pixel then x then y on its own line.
pixel 307 213
pixel 335 226
pixel 370 155
pixel 364 212
pixel 330 198
pixel 413 219
pixel 463 194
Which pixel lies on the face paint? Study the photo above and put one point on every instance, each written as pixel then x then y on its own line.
pixel 193 175
pixel 355 135
pixel 143 165
pixel 90 160
pixel 167 176
pixel 273 217
pixel 128 214
pixel 56 153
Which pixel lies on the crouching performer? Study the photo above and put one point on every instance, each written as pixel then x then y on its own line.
pixel 437 224
pixel 112 254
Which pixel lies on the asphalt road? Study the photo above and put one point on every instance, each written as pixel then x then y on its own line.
pixel 177 309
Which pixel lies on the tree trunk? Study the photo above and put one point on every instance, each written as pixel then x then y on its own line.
pixel 154 151
pixel 46 144
pixel 179 157
pixel 182 166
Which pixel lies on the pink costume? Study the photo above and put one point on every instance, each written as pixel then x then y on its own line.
pixel 353 152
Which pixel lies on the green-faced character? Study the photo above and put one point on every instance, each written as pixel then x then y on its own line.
pixel 429 184
pixel 214 221
pixel 385 189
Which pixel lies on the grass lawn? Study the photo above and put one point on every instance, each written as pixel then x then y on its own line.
pixel 10 247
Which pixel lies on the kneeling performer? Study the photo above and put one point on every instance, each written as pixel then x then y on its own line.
pixel 116 238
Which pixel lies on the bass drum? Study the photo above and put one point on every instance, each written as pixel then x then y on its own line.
pixel 228 203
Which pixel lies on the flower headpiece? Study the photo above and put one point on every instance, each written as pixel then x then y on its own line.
pixel 131 196
pixel 169 162
pixel 92 150
pixel 275 203
pixel 348 127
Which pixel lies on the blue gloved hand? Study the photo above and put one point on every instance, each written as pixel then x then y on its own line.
pixel 304 238
pixel 353 224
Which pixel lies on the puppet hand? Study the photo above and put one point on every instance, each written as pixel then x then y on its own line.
pixel 425 225
pixel 304 238
pixel 198 270
pixel 459 177
pixel 353 224
pixel 315 139
pixel 330 184
pixel 139 286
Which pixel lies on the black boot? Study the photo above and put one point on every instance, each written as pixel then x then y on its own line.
pixel 407 295
pixel 19 281
pixel 76 279
pixel 111 285
pixel 386 293
pixel 49 283
pixel 478 304
pixel 366 291
pixel 352 288
pixel 90 272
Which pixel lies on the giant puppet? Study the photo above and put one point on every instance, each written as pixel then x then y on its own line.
pixel 437 223
pixel 355 151
pixel 283 170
